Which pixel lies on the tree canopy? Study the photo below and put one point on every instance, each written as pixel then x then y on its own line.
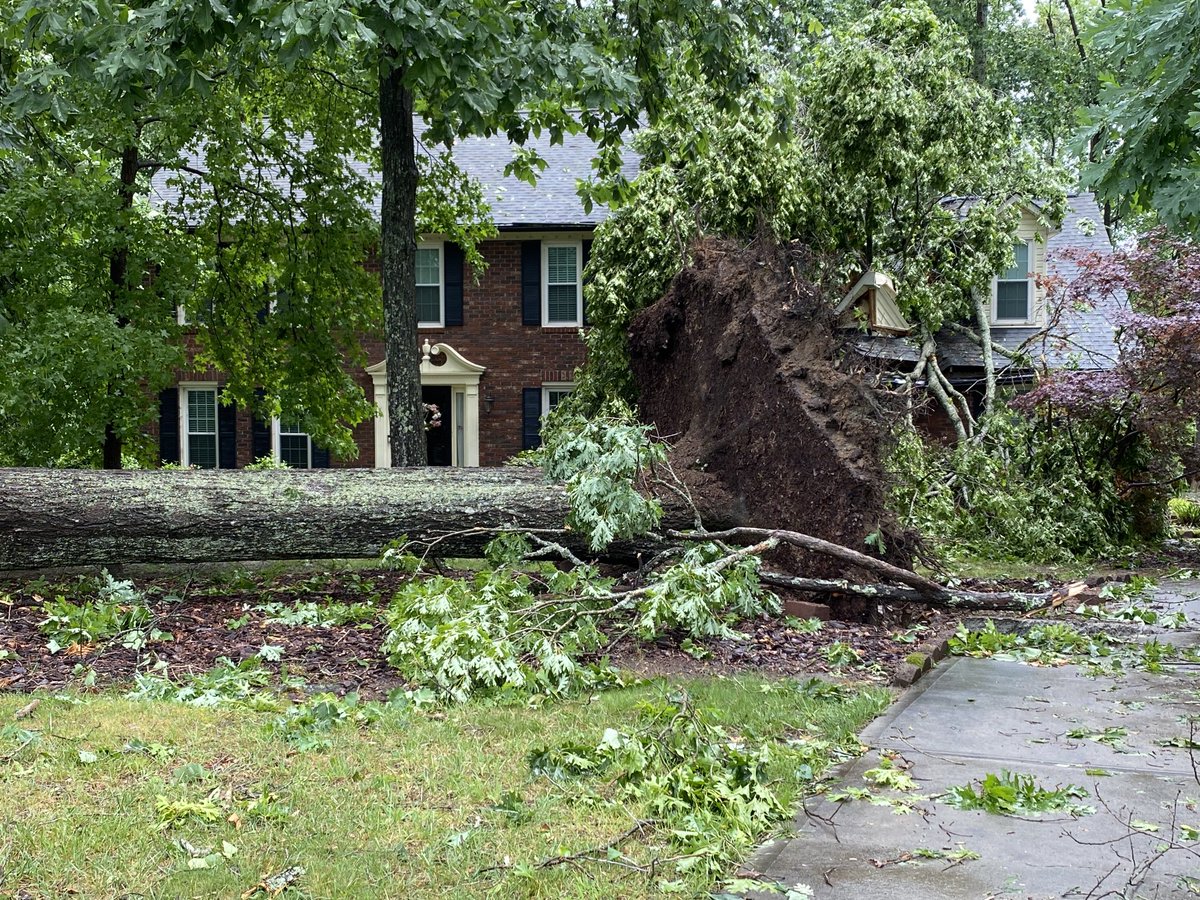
pixel 1147 116
pixel 854 151
pixel 239 100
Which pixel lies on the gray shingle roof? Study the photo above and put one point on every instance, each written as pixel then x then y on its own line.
pixel 1088 340
pixel 553 202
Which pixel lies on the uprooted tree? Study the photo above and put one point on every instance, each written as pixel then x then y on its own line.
pixel 854 155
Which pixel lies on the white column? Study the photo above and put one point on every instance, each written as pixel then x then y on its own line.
pixel 383 452
pixel 471 425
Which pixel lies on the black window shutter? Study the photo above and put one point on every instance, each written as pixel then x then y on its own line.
pixel 531 282
pixel 531 418
pixel 260 438
pixel 453 288
pixel 320 457
pixel 168 426
pixel 587 252
pixel 226 435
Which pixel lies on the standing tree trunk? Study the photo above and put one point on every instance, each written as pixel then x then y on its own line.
pixel 978 47
pixel 989 363
pixel 398 238
pixel 118 275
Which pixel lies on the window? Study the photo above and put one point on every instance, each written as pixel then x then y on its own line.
pixel 200 427
pixel 553 394
pixel 295 446
pixel 563 294
pixel 1014 288
pixel 429 286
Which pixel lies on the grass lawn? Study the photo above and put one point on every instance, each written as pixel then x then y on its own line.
pixel 420 803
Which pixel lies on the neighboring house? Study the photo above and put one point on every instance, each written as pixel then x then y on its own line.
pixel 497 355
pixel 1018 308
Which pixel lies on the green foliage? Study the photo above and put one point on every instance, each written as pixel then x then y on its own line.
pixel 1184 511
pixel 1048 644
pixel 1146 115
pixel 603 460
pixel 710 793
pixel 1017 794
pixel 713 164
pixel 509 632
pixel 265 464
pixel 850 148
pixel 890 776
pixel 840 654
pixel 900 125
pixel 1036 65
pixel 318 615
pixel 1026 491
pixel 1056 645
pixel 1113 736
pixel 117 613
pixel 700 594
pixel 227 684
pixel 172 813
pixel 305 725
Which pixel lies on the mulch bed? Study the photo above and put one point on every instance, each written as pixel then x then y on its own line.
pixel 221 616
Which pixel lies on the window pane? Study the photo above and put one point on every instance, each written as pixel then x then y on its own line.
pixel 427 267
pixel 562 303
pixel 291 426
pixel 560 263
pixel 202 411
pixel 293 450
pixel 429 304
pixel 1012 300
pixel 202 450
pixel 554 396
pixel 1020 268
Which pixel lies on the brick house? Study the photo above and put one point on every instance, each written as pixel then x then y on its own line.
pixel 497 354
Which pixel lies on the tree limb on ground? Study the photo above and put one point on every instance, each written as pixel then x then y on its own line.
pixel 923 586
pixel 886 593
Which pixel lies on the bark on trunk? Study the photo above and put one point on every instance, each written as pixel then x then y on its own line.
pixel 398 242
pixel 979 50
pixel 52 518
pixel 989 364
pixel 118 276
pixel 886 593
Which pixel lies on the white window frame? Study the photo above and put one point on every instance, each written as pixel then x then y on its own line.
pixel 440 247
pixel 185 432
pixel 1031 288
pixel 548 387
pixel 577 322
pixel 277 433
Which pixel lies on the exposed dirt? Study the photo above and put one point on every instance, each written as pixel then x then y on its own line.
pixel 738 367
pixel 223 616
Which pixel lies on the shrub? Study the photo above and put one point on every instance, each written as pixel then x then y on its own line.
pixel 1028 490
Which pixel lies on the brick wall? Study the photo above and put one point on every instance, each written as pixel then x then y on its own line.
pixel 516 356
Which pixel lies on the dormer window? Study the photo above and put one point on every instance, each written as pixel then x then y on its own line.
pixel 1012 294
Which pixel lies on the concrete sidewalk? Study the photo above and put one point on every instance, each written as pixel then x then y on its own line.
pixel 971 717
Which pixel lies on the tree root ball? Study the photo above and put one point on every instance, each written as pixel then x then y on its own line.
pixel 739 368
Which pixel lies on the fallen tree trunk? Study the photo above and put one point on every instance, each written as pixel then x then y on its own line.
pixel 52 518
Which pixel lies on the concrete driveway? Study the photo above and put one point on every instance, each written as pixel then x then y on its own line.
pixel 968 718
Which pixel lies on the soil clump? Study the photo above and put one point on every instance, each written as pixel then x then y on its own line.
pixel 740 368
